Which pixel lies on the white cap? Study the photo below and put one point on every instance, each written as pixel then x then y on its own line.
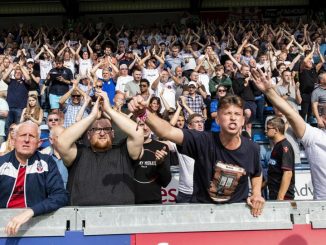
pixel 192 83
pixel 29 60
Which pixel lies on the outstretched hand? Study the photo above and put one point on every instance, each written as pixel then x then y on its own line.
pixel 137 105
pixel 262 82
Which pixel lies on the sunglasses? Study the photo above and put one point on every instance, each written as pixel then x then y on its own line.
pixel 53 119
pixel 75 96
pixel 98 86
pixel 221 90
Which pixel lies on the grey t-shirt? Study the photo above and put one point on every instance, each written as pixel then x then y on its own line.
pixel 133 88
pixel 319 95
pixel 284 90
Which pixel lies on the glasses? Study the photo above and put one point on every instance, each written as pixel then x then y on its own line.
pixel 75 96
pixel 53 119
pixel 198 122
pixel 221 90
pixel 99 130
pixel 98 86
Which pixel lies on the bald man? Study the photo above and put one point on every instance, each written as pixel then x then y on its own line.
pixel 29 179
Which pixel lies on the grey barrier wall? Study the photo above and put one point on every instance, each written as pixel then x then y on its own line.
pixel 103 220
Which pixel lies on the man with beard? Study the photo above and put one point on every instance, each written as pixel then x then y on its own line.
pixel 152 171
pixel 223 161
pixel 101 174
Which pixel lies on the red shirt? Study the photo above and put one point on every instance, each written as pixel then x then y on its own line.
pixel 17 199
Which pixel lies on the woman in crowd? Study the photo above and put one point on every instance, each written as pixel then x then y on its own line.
pixel 33 111
pixel 7 146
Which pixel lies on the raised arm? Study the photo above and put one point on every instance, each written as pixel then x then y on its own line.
pixel 265 85
pixel 135 138
pixel 159 126
pixel 66 140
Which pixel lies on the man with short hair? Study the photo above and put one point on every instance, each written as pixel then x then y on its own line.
pixel 223 162
pixel 101 174
pixel 187 164
pixel 28 179
pixel 313 139
pixel 108 84
pixel 17 94
pixel 195 101
pixel 132 87
pixel 280 179
pixel 123 78
pixel 318 101
pixel 219 79
pixel 59 79
pixel 152 170
pixel 74 104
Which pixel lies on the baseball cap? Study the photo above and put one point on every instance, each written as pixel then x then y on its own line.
pixel 192 83
pixel 123 66
pixel 30 60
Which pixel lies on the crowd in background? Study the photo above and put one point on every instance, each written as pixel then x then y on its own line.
pixel 53 76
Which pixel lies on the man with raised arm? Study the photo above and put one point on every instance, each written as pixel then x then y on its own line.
pixel 313 139
pixel 101 174
pixel 223 161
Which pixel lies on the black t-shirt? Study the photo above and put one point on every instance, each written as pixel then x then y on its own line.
pixel 17 94
pixel 34 85
pixel 57 87
pixel 101 178
pixel 151 176
pixel 208 152
pixel 308 79
pixel 282 159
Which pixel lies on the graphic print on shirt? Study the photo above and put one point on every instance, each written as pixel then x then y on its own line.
pixel 225 181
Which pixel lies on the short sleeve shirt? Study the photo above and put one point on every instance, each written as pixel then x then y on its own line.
pixel 208 151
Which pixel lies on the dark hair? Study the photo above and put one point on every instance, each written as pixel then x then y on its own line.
pixel 144 80
pixel 158 100
pixel 277 123
pixel 192 116
pixel 228 100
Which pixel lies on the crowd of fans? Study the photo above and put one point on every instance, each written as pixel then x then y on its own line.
pixel 89 86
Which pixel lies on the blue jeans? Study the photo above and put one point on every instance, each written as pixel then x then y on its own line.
pixel 183 198
pixel 14 115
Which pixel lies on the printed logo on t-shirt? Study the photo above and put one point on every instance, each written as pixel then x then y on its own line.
pixel 272 162
pixel 225 180
pixel 285 149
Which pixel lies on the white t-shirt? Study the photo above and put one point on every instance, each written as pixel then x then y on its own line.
pixel 204 79
pixel 70 64
pixel 168 95
pixel 150 74
pixel 85 66
pixel 186 172
pixel 188 60
pixel 3 107
pixel 314 142
pixel 45 67
pixel 121 82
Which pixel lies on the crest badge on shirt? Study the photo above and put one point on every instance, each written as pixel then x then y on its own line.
pixel 285 149
pixel 39 167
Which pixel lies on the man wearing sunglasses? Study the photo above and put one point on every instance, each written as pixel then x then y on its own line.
pixel 71 107
pixel 101 174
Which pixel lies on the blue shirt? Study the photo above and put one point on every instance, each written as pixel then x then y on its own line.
pixel 213 108
pixel 109 88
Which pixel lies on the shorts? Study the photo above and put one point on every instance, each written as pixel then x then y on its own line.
pixel 54 101
pixel 253 107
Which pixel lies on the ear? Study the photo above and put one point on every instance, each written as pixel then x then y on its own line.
pixel 217 118
pixel 39 143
